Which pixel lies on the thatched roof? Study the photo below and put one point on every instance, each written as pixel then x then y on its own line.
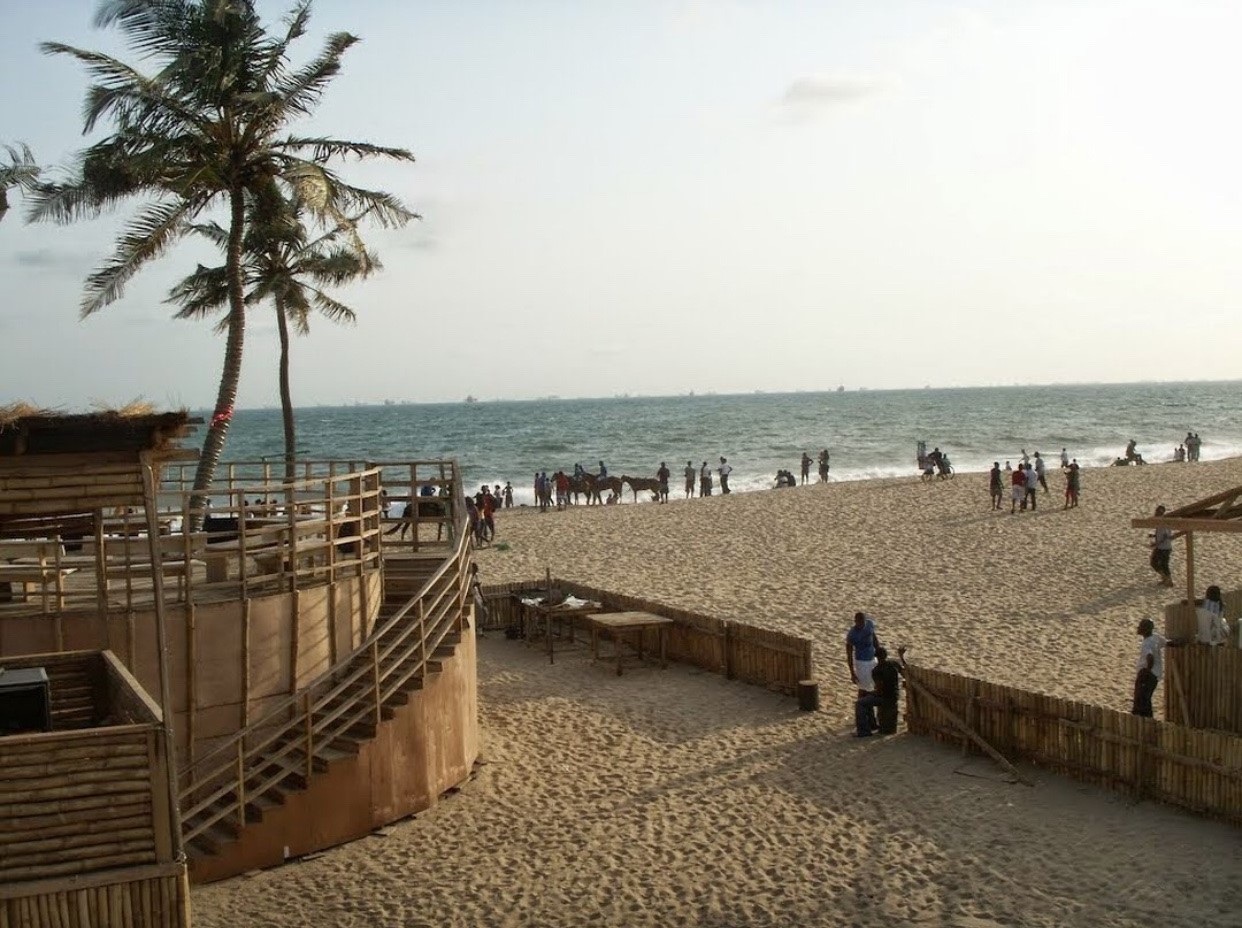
pixel 27 430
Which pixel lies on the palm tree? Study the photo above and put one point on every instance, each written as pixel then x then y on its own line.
pixel 282 265
pixel 19 171
pixel 209 127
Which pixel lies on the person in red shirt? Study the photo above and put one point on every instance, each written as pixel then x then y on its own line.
pixel 1019 490
pixel 488 512
pixel 562 489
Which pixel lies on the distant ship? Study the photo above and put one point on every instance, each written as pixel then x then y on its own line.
pixel 471 399
pixel 841 388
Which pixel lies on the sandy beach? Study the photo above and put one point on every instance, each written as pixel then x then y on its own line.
pixel 675 797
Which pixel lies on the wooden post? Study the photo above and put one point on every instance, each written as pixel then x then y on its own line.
pixel 1190 569
pixel 808 695
pixel 1175 678
pixel 101 573
pixel 241 783
pixel 376 677
pixel 241 541
pixel 245 664
pixel 191 677
pixel 310 734
pixel 150 486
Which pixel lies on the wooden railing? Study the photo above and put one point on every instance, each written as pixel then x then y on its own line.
pixel 347 702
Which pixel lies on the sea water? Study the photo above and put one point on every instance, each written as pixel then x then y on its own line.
pixel 869 434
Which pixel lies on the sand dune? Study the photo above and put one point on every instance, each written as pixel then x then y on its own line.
pixel 677 798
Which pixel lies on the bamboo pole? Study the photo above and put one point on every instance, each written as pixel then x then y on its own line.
pixel 965 729
pixel 149 488
pixel 1190 568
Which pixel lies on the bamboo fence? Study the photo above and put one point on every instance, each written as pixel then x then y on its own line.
pixel 733 649
pixel 1194 769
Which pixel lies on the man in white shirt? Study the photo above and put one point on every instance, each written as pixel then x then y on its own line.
pixel 724 470
pixel 1150 668
pixel 1039 471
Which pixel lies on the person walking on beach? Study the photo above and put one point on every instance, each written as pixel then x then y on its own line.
pixel 689 480
pixel 724 470
pixel 860 645
pixel 705 480
pixel 1039 472
pixel 1162 551
pixel 662 476
pixel 1018 494
pixel 1071 486
pixel 1150 668
pixel 1032 487
pixel 806 467
pixel 824 464
pixel 996 485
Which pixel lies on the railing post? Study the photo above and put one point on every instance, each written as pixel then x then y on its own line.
pixel 241 783
pixel 422 639
pixel 376 676
pixel 310 743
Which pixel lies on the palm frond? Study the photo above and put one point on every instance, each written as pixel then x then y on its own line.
pixel 333 309
pixel 298 92
pixel 322 149
pixel 148 236
pixel 203 293
pixel 21 170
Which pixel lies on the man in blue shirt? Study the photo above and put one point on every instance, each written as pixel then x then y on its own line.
pixel 860 645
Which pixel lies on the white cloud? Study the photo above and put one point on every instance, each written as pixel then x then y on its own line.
pixel 830 90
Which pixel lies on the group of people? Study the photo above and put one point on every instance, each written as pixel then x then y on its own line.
pixel 823 461
pixel 702 475
pixel 1026 480
pixel 1188 450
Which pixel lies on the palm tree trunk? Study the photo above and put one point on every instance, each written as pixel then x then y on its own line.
pixel 226 396
pixel 286 395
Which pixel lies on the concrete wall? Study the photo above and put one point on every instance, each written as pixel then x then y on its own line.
pixel 428 746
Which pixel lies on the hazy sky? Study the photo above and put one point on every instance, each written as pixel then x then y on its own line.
pixel 656 197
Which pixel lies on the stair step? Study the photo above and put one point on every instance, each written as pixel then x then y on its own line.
pixel 212 841
pixel 257 806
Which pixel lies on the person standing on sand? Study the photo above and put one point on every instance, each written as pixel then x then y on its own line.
pixel 508 495
pixel 1018 494
pixel 824 464
pixel 724 470
pixel 996 485
pixel 1162 551
pixel 806 467
pixel 689 480
pixel 1039 472
pixel 662 476
pixel 1150 668
pixel 1071 486
pixel 705 480
pixel 1032 487
pixel 1064 459
pixel 860 645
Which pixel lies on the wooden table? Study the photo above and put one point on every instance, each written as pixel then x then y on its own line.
pixel 618 624
pixel 532 613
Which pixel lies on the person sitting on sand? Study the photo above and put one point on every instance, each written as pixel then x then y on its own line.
pixel 613 499
pixel 860 645
pixel 1132 455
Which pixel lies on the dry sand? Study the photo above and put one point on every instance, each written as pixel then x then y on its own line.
pixel 677 798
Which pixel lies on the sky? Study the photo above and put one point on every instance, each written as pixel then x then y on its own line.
pixel 660 196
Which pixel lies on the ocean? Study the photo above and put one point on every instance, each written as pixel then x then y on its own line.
pixel 869 434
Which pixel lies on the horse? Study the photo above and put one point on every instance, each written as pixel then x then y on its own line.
pixel 642 483
pixel 593 485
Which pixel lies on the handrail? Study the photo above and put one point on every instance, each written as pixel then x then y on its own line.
pixel 316 711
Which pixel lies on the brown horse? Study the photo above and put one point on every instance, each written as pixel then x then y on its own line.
pixel 642 483
pixel 593 484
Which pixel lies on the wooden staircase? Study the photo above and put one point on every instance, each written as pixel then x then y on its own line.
pixel 421 619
